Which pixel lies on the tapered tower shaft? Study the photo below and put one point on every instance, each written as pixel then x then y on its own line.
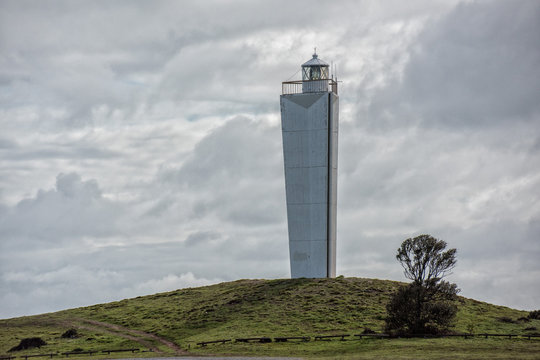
pixel 309 118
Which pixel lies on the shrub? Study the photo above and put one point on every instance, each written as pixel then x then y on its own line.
pixel 506 319
pixel 28 343
pixel 368 331
pixel 535 314
pixel 531 328
pixel 417 310
pixel 70 334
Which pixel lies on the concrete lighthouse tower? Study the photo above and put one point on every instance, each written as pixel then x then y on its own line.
pixel 309 122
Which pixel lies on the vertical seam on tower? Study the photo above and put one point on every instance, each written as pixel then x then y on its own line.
pixel 328 187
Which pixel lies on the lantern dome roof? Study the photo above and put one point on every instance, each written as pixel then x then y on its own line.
pixel 315 61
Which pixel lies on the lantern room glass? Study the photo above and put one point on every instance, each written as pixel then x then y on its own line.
pixel 316 72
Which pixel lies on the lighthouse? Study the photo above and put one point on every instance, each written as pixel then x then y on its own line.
pixel 309 123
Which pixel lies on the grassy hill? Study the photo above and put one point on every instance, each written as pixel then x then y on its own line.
pixel 173 322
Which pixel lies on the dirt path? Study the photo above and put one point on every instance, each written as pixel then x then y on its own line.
pixel 135 335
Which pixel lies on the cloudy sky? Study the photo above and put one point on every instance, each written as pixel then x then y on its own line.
pixel 140 142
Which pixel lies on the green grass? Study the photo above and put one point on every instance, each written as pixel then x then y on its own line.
pixel 250 308
pixel 451 348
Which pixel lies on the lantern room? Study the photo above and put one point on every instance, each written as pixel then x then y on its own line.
pixel 315 78
pixel 315 69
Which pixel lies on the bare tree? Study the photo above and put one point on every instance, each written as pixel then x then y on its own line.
pixel 424 259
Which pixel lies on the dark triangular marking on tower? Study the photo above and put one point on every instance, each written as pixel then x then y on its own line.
pixel 306 100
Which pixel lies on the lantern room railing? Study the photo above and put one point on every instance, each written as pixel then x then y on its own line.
pixel 298 86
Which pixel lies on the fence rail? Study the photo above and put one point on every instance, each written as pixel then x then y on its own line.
pixel 66 354
pixel 283 339
pixel 343 337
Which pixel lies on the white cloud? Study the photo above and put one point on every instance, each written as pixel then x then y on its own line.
pixel 173 282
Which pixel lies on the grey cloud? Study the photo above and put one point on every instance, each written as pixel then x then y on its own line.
pixel 477 66
pixel 7 144
pixel 201 238
pixel 241 165
pixel 80 70
pixel 74 208
pixel 61 152
pixel 448 150
pixel 231 152
pixel 173 109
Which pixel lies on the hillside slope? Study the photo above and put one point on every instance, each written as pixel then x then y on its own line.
pixel 242 308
